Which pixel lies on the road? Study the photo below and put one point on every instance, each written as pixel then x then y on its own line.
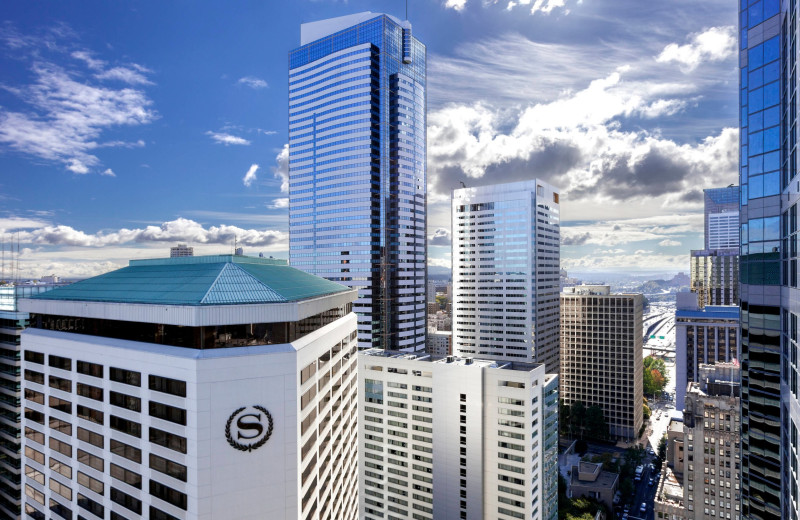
pixel 644 493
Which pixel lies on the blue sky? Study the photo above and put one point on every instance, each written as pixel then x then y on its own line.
pixel 128 127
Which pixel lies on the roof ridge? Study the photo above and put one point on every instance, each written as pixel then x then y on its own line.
pixel 211 287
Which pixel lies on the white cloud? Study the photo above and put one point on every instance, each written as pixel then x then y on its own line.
pixel 226 139
pixel 281 168
pixel 440 262
pixel 669 243
pixel 66 116
pixel 250 176
pixel 713 44
pixel 252 82
pixel 610 233
pixel 131 75
pixel 109 172
pixel 458 5
pixel 183 230
pixel 279 203
pixel 86 57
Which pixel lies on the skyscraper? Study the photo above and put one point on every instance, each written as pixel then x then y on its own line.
pixel 769 295
pixel 357 179
pixel 506 272
pixel 721 208
pixel 601 355
pixel 444 438
pixel 192 388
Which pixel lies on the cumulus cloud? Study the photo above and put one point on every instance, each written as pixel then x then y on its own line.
pixel 226 139
pixel 279 203
pixel 575 239
pixel 252 82
pixel 713 44
pixel 250 176
pixel 669 243
pixel 281 168
pixel 440 237
pixel 108 172
pixel 610 233
pixel 65 112
pixel 458 5
pixel 179 230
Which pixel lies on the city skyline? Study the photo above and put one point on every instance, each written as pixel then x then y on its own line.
pixel 181 134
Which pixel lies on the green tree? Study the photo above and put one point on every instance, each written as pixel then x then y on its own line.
pixel 646 412
pixel 654 375
pixel 595 423
pixel 662 447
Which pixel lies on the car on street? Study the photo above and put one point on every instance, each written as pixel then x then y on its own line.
pixel 643 508
pixel 650 482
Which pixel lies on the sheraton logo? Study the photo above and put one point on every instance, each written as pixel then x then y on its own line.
pixel 248 428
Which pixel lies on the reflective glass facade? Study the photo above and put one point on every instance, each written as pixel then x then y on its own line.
pixel 766 157
pixel 357 180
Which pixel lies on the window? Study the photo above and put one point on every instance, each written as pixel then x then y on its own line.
pixel 125 401
pixel 92 392
pixel 308 371
pixel 126 426
pixel 60 468
pixel 34 396
pixel 60 362
pixel 34 357
pixel 61 405
pixel 33 415
pixel 128 377
pixel 168 467
pixel 60 383
pixel 91 506
pixel 90 369
pixel 168 440
pixel 61 447
pixel 60 426
pixel 168 413
pixel 157 514
pixel 91 437
pixel 167 494
pixel 90 414
pixel 127 476
pixel 34 376
pixel 35 436
pixel 61 489
pixel 90 460
pixel 90 483
pixel 168 386
pixel 124 450
pixel 34 474
pixel 127 501
pixel 34 494
pixel 34 455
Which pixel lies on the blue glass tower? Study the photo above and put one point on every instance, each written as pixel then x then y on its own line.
pixel 770 301
pixel 357 181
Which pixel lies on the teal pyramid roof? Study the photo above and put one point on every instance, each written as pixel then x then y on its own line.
pixel 201 280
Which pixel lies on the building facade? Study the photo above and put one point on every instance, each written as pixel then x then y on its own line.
pixel 210 387
pixel 456 438
pixel 181 250
pixel 440 342
pixel 767 170
pixel 506 240
pixel 601 355
pixel 702 336
pixel 12 323
pixel 357 178
pixel 703 480
pixel 721 209
pixel 715 276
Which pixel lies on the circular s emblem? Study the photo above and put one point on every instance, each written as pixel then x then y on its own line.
pixel 249 427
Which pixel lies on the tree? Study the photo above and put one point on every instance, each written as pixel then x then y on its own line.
pixel 646 412
pixel 662 447
pixel 595 422
pixel 654 375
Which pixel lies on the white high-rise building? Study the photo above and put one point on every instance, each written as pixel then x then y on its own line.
pixel 506 272
pixel 181 250
pixel 456 438
pixel 191 388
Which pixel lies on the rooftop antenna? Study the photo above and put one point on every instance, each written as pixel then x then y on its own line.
pixel 462 184
pixel 406 10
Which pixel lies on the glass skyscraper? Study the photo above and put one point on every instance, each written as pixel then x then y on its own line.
pixel 357 181
pixel 770 301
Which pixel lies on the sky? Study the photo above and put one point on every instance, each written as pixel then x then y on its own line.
pixel 128 127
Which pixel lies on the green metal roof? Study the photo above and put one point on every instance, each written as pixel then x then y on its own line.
pixel 199 280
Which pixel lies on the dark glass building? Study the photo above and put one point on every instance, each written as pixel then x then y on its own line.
pixel 769 298
pixel 357 181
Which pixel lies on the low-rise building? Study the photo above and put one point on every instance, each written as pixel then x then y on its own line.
pixel 589 479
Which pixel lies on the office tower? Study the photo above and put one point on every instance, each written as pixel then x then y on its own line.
pixel 192 388
pixel 456 438
pixel 431 291
pixel 12 323
pixel 181 250
pixel 715 276
pixel 702 336
pixel 601 355
pixel 357 180
pixel 702 481
pixel 506 272
pixel 768 294
pixel 721 208
pixel 439 343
